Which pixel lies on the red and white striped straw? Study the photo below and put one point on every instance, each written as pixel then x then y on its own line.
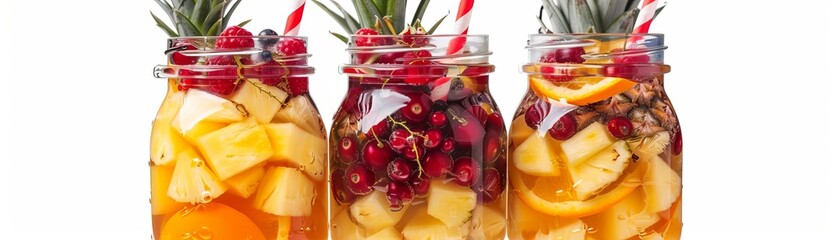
pixel 645 17
pixel 292 23
pixel 464 14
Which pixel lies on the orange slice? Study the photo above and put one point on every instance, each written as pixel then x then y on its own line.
pixel 582 90
pixel 555 196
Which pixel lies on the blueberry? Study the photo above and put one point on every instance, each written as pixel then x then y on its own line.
pixel 266 55
pixel 266 40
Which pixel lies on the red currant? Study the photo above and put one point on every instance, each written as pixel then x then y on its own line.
pixel 433 138
pixel 399 195
pixel 448 145
pixel 399 170
pixel 438 119
pixel 413 153
pixel 466 171
pixel 619 127
pixel 420 184
pixel 400 139
pixel 437 164
pixel 417 108
pixel 359 179
pixel 564 128
pixel 340 190
pixel 347 150
pixel 376 155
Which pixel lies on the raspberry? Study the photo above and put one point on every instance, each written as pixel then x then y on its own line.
pixel 564 55
pixel 298 85
pixel 292 46
pixel 234 37
pixel 269 73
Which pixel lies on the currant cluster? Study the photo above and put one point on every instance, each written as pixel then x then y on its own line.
pixel 461 141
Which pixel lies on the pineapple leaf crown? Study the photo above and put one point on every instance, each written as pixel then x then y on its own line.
pixel 196 17
pixel 384 16
pixel 591 16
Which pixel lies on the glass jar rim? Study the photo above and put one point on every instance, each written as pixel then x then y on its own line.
pixel 305 38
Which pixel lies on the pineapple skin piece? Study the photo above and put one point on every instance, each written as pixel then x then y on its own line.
pixel 450 203
pixel 192 182
pixel 235 148
pixel 285 192
pixel 294 146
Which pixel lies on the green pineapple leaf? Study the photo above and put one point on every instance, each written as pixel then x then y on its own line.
pixel 341 21
pixel 610 10
pixel 349 19
pixel 243 23
pixel 199 11
pixel 340 37
pixel 365 17
pixel 555 16
pixel 580 17
pixel 214 29
pixel 374 11
pixel 193 29
pixel 423 4
pixel 213 14
pixel 163 26
pixel 624 23
pixel 398 14
pixel 226 18
pixel 437 24
pixel 657 11
pixel 595 13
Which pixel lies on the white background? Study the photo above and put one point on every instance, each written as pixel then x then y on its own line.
pixel 753 82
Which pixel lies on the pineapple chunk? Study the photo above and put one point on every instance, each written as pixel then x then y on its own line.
pixel 524 219
pixel 565 229
pixel 244 184
pixel 647 147
pixel 372 212
pixel 425 227
pixel 535 157
pixel 192 182
pixel 261 101
pixel 301 112
pixel 285 192
pixel 235 148
pixel 202 106
pixel 166 143
pixel 586 143
pixel 450 203
pixel 200 129
pixel 487 224
pixel 600 170
pixel 519 131
pixel 662 185
pixel 283 228
pixel 296 147
pixel 388 233
pixel 343 228
pixel 626 219
pixel 160 202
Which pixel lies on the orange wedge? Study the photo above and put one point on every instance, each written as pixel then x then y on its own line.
pixel 582 90
pixel 555 196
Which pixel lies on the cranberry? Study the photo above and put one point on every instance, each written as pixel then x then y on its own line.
pixel 420 184
pixel 564 55
pixel 466 171
pixel 491 187
pixel 412 153
pixel 399 170
pixel 536 113
pixel 479 113
pixel 376 155
pixel 399 195
pixel 619 127
pixel 367 41
pixel 418 107
pixel 180 59
pixel 378 130
pixel 677 142
pixel 359 179
pixel 400 139
pixel 448 145
pixel 433 138
pixel 437 164
pixel 492 147
pixel 438 119
pixel 347 150
pixel 564 128
pixel 340 190
pixel 495 123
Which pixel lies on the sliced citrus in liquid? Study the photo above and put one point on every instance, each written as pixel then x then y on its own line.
pixel 582 90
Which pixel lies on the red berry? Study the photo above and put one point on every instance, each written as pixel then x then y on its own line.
pixel 221 81
pixel 495 123
pixel 417 62
pixel 677 142
pixel 399 195
pixel 438 119
pixel 376 155
pixel 389 58
pixel 417 108
pixel 419 57
pixel 437 164
pixel 414 37
pixel 491 187
pixel 401 139
pixel 234 37
pixel 564 55
pixel 420 184
pixel 479 113
pixel 291 46
pixel 448 145
pixel 269 73
pixel 492 147
pixel 413 153
pixel 433 138
pixel 619 127
pixel 298 86
pixel 466 129
pixel 399 170
pixel 380 130
pixel 347 150
pixel 630 59
pixel 536 113
pixel 180 59
pixel 367 41
pixel 466 171
pixel 564 128
pixel 340 190
pixel 359 179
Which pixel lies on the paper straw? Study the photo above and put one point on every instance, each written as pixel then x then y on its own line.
pixel 645 17
pixel 464 14
pixel 292 24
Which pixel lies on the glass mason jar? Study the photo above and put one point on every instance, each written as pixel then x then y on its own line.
pixel 595 144
pixel 417 146
pixel 238 149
